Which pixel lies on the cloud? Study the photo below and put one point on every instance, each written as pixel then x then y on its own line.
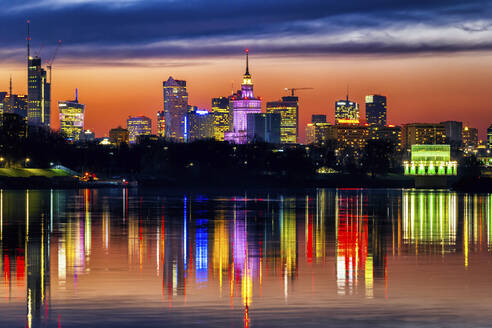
pixel 133 29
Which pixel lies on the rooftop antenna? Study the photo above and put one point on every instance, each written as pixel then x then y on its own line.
pixel 76 95
pixel 347 92
pixel 247 61
pixel 28 39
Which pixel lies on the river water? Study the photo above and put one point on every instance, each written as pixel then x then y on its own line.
pixel 307 258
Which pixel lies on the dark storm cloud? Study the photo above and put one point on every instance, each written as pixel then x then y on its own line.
pixel 153 29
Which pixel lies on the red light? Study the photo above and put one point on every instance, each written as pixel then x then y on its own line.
pixel 247 50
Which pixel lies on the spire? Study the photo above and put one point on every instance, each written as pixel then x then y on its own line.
pixel 247 62
pixel 76 95
pixel 28 38
pixel 10 90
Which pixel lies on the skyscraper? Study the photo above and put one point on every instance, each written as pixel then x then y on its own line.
pixel 222 117
pixel 13 104
pixel 423 134
pixel 161 124
pixel 346 112
pixel 71 118
pixel 175 108
pixel 469 138
pixel 288 108
pixel 265 127
pixel 243 104
pixel 199 124
pixel 138 126
pixel 376 108
pixel 489 137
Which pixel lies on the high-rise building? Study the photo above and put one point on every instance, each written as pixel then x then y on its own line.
pixel 346 112
pixel 242 104
pixel 265 127
pixel 489 137
pixel 318 118
pixel 454 132
pixel 118 136
pixel 388 133
pixel 138 126
pixel 38 94
pixel 422 134
pixel 175 108
pixel 351 137
pixel 222 117
pixel 13 125
pixel 199 124
pixel 376 108
pixel 288 108
pixel 319 133
pixel 161 124
pixel 469 138
pixel 71 118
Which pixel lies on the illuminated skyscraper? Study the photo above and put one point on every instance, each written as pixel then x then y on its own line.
pixel 422 134
pixel 38 94
pixel 175 108
pixel 346 112
pixel 138 126
pixel 288 108
pixel 161 124
pixel 469 137
pixel 199 124
pixel 265 127
pixel 319 133
pixel 71 118
pixel 222 117
pixel 376 108
pixel 243 104
pixel 351 137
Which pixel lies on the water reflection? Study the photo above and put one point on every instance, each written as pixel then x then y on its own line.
pixel 237 252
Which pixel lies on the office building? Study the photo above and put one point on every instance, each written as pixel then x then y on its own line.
pixel 453 132
pixel 38 94
pixel 175 109
pixel 200 124
pixel 13 125
pixel 71 118
pixel 320 133
pixel 222 117
pixel 288 108
pixel 376 109
pixel 161 124
pixel 469 138
pixel 118 136
pixel 388 133
pixel 489 137
pixel 138 126
pixel 346 112
pixel 351 137
pixel 318 118
pixel 87 136
pixel 242 104
pixel 265 127
pixel 422 134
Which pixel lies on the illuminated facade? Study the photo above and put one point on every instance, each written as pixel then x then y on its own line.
pixel 138 126
pixel 388 133
pixel 175 108
pixel 351 137
pixel 376 109
pixel 118 136
pixel 161 124
pixel 319 133
pixel 38 94
pixel 430 160
pixel 288 108
pixel 489 137
pixel 71 118
pixel 423 134
pixel 265 127
pixel 222 117
pixel 13 125
pixel 14 104
pixel 199 124
pixel 469 138
pixel 346 112
pixel 242 104
pixel 318 118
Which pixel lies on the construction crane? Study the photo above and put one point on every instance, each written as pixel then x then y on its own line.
pixel 293 90
pixel 49 65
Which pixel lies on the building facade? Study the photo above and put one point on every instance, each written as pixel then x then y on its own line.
pixel 376 110
pixel 200 125
pixel 118 136
pixel 242 104
pixel 222 117
pixel 469 138
pixel 288 108
pixel 387 133
pixel 175 109
pixel 71 119
pixel 265 127
pixel 423 134
pixel 38 94
pixel 13 125
pixel 351 137
pixel 454 132
pixel 319 133
pixel 489 137
pixel 138 126
pixel 346 112
pixel 161 124
pixel 318 118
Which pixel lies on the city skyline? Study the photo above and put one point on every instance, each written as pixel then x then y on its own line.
pixel 418 75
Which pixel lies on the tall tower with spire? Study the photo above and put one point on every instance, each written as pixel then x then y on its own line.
pixel 242 104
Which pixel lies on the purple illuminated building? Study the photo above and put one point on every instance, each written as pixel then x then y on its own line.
pixel 242 104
